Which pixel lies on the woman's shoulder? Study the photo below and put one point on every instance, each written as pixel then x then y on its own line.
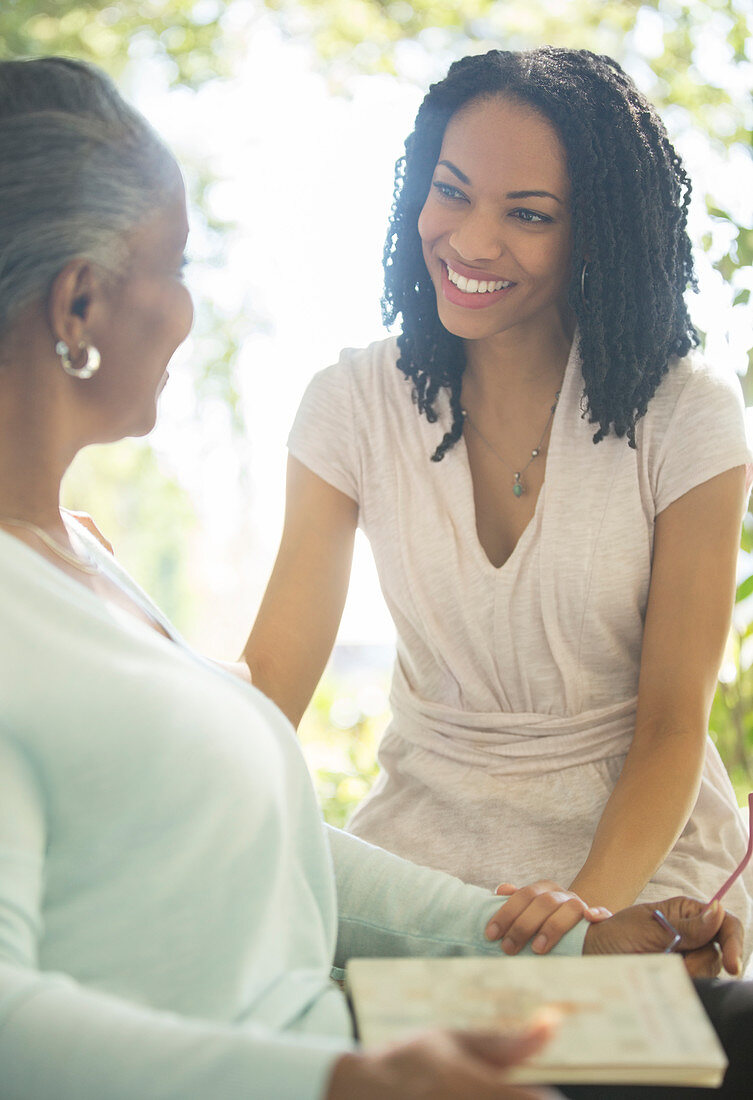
pixel 375 356
pixel 363 370
pixel 695 387
pixel 351 411
pixel 694 428
pixel 704 376
pixel 364 386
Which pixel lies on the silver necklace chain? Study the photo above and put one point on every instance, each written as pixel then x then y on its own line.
pixel 89 566
pixel 518 487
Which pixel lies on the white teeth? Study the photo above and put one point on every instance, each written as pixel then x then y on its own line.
pixel 474 286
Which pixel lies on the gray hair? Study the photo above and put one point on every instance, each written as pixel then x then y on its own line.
pixel 79 169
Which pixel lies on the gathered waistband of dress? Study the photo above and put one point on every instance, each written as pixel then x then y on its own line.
pixel 508 743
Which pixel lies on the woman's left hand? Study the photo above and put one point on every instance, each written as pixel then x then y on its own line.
pixel 543 912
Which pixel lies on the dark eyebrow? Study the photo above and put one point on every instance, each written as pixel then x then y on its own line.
pixel 533 195
pixel 456 171
pixel 510 194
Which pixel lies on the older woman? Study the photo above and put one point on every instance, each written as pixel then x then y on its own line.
pixel 168 905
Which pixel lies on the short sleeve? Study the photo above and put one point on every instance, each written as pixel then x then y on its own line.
pixel 324 432
pixel 705 436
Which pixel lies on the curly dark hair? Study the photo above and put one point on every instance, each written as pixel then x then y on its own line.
pixel 630 197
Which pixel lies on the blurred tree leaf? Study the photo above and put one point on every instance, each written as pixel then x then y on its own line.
pixel 744 589
pixel 186 34
pixel 138 506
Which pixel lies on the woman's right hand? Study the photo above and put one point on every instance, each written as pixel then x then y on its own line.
pixel 443 1065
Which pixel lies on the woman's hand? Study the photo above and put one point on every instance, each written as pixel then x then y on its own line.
pixel 710 939
pixel 543 912
pixel 443 1065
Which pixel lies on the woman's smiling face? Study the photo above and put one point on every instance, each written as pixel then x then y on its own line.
pixel 495 226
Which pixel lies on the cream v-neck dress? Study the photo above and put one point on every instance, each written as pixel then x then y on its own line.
pixel 514 690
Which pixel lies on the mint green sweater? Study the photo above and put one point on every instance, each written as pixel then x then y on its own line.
pixel 170 903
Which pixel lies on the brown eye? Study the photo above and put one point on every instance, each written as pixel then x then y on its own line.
pixel 531 217
pixel 447 191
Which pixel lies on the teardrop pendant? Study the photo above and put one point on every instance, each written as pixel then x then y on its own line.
pixel 518 488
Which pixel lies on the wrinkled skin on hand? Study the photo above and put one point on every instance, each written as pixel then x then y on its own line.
pixel 711 938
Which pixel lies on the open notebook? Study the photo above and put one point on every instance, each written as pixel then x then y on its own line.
pixel 621 1019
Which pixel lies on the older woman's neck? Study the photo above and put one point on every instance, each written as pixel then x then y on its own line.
pixel 36 441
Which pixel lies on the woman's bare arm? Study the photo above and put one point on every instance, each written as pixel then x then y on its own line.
pixel 295 628
pixel 687 623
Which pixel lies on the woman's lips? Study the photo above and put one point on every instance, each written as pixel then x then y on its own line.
pixel 474 299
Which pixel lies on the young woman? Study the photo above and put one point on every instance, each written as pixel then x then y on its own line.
pixel 552 481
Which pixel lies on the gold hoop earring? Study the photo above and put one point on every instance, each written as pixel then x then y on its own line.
pixel 90 365
pixel 583 273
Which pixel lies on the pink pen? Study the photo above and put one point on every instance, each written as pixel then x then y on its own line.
pixel 659 916
pixel 743 862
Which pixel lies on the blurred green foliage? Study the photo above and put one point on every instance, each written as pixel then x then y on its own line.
pixel 340 733
pixel 731 722
pixel 138 506
pixel 185 34
pixel 194 41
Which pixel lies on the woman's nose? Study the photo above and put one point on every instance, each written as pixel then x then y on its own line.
pixel 478 236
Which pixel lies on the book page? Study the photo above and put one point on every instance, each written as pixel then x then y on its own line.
pixel 620 1018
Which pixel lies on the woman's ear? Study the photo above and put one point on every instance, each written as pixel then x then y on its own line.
pixel 71 299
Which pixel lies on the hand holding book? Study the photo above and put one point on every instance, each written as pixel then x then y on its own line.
pixel 632 1019
pixel 446 1064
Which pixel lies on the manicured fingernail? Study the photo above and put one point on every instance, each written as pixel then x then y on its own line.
pixel 710 912
pixel 492 930
pixel 508 946
pixel 539 944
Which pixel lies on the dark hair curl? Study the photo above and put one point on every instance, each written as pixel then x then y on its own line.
pixel 630 197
